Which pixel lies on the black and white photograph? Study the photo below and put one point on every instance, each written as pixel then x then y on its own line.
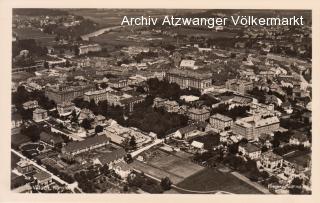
pixel 161 101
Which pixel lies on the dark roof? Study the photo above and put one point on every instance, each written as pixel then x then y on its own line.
pixel 250 147
pixel 46 137
pixel 108 157
pixel 187 129
pixel 91 141
pixel 41 175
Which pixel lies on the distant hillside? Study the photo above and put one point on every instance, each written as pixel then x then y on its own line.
pixel 38 12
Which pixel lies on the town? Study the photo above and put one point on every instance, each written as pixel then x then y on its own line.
pixel 102 108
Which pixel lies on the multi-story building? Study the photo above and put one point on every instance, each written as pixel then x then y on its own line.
pixel 118 83
pixel 74 148
pixel 271 161
pixel 198 114
pixel 24 166
pixel 220 122
pixel 40 115
pixel 241 86
pixel 129 103
pixel 65 108
pixel 250 150
pixel 61 93
pixel 97 95
pixel 84 49
pixel 253 126
pixel 189 79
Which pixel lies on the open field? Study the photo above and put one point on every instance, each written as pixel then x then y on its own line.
pixel 163 164
pixel 18 139
pixel 210 179
pixel 300 158
pixel 14 160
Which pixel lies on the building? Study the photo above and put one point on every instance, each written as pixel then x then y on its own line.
pixel 42 178
pixel 118 82
pixel 129 103
pixel 241 86
pixel 271 161
pixel 111 157
pixel 220 122
pixel 84 49
pixel 198 145
pixel 188 64
pixel 66 93
pixel 65 108
pixel 189 79
pixel 77 147
pixel 30 105
pixel 97 95
pixel 122 169
pixel 299 139
pixel 25 166
pixel 158 102
pixel 186 132
pixel 250 150
pixel 16 120
pixel 253 126
pixel 40 115
pixel 50 139
pixel 198 114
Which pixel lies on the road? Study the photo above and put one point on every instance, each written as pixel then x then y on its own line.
pixel 99 32
pixel 156 141
pixel 69 186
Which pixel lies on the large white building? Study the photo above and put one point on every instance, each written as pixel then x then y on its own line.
pixel 253 126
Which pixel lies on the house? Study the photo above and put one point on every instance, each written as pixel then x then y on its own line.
pixel 299 139
pixel 122 169
pixel 271 161
pixel 111 157
pixel 42 178
pixel 16 120
pixel 50 139
pixel 250 150
pixel 77 147
pixel 65 108
pixel 220 122
pixel 198 145
pixel 40 115
pixel 186 132
pixel 198 114
pixel 25 166
pixel 30 105
pixel 188 64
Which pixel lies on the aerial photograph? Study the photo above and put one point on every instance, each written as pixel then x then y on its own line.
pixel 103 103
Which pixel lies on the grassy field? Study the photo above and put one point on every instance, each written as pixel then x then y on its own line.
pixel 300 158
pixel 211 179
pixel 164 164
pixel 173 164
pixel 14 160
pixel 19 139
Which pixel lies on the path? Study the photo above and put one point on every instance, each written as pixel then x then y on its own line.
pixel 135 153
pixel 70 186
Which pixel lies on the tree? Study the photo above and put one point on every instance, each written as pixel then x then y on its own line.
pixel 86 123
pixel 98 129
pixel 166 183
pixel 132 142
pixel 33 132
pixel 105 169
